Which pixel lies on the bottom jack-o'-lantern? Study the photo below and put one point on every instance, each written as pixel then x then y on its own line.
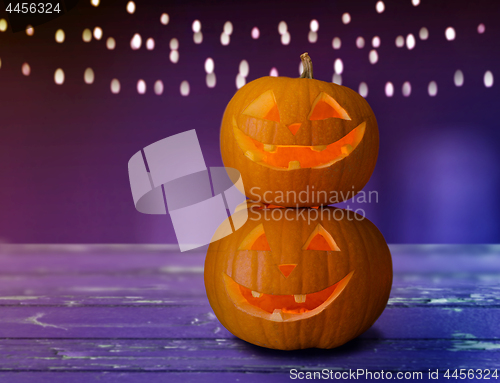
pixel 299 278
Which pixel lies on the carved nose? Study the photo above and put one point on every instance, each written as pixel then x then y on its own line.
pixel 294 127
pixel 287 269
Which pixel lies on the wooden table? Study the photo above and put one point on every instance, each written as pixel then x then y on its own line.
pixel 138 313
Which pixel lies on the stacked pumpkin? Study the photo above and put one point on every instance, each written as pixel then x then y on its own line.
pixel 304 277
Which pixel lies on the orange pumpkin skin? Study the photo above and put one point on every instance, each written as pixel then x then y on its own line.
pixel 359 271
pixel 267 183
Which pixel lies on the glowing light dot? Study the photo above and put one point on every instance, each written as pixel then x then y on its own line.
pixel 423 33
pixel 480 28
pixel 360 42
pixel 312 37
pixel 94 3
pixel 415 2
pixel 130 7
pixel 115 86
pixel 282 27
pixel 363 89
pixel 224 39
pixel 59 76
pixel 314 25
pixel 3 25
pixel 458 78
pixel 380 6
pixel 196 26
pixel 97 33
pixel 25 69
pixel 376 42
pixel 338 66
pixel 432 89
pixel 198 38
pixel 373 56
pixel 228 28
pixel 410 41
pixel 406 89
pixel 255 33
pixel 389 89
pixel 285 38
pixel 211 80
pixel 244 68
pixel 136 42
pixel 87 35
pixel 301 68
pixel 141 86
pixel 174 44
pixel 488 79
pixel 158 87
pixel 400 41
pixel 174 56
pixel 88 76
pixel 184 88
pixel 240 81
pixel 60 36
pixel 336 43
pixel 450 33
pixel 164 18
pixel 30 31
pixel 150 44
pixel 346 18
pixel 337 79
pixel 110 43
pixel 273 72
pixel 210 65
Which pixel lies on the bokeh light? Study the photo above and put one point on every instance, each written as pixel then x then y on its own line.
pixel 338 66
pixel 481 28
pixel 97 33
pixel 314 25
pixel 158 87
pixel 423 33
pixel 406 89
pixel 196 26
pixel 336 43
pixel 228 28
pixel 450 33
pixel 389 89
pixel 432 89
pixel 244 68
pixel 94 3
pixel 141 86
pixel 376 42
pixel 224 39
pixel 110 43
pixel 174 44
pixel 87 35
pixel 150 44
pixel 25 69
pixel 400 41
pixel 184 88
pixel 458 78
pixel 59 76
pixel 488 79
pixel 346 18
pixel 209 65
pixel 60 36
pixel 312 37
pixel 88 76
pixel 373 56
pixel 211 80
pixel 410 41
pixel 240 81
pixel 198 37
pixel 164 18
pixel 3 25
pixel 337 79
pixel 131 7
pixel 363 89
pixel 282 27
pixel 273 72
pixel 30 31
pixel 360 42
pixel 285 38
pixel 255 33
pixel 136 41
pixel 115 86
pixel 174 56
pixel 415 2
pixel 380 6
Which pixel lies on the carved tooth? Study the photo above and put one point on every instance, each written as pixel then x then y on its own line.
pixel 346 149
pixel 253 156
pixel 269 148
pixel 256 294
pixel 319 148
pixel 300 298
pixel 276 316
pixel 293 165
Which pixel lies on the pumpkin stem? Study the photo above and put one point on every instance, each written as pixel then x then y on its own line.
pixel 307 65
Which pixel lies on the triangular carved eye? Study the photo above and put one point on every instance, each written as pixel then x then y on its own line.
pixel 255 240
pixel 320 239
pixel 264 107
pixel 326 107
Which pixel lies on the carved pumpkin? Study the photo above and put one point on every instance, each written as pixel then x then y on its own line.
pixel 299 279
pixel 299 135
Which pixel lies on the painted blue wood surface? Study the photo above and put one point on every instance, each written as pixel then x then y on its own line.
pixel 140 314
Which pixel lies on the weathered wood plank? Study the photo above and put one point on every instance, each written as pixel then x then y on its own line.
pixel 200 322
pixel 234 355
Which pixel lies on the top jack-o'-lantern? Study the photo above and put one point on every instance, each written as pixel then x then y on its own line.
pixel 299 141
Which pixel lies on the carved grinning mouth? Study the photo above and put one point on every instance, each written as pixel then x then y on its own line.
pixel 283 308
pixel 291 157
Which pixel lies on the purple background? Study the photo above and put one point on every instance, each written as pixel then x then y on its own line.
pixel 64 149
